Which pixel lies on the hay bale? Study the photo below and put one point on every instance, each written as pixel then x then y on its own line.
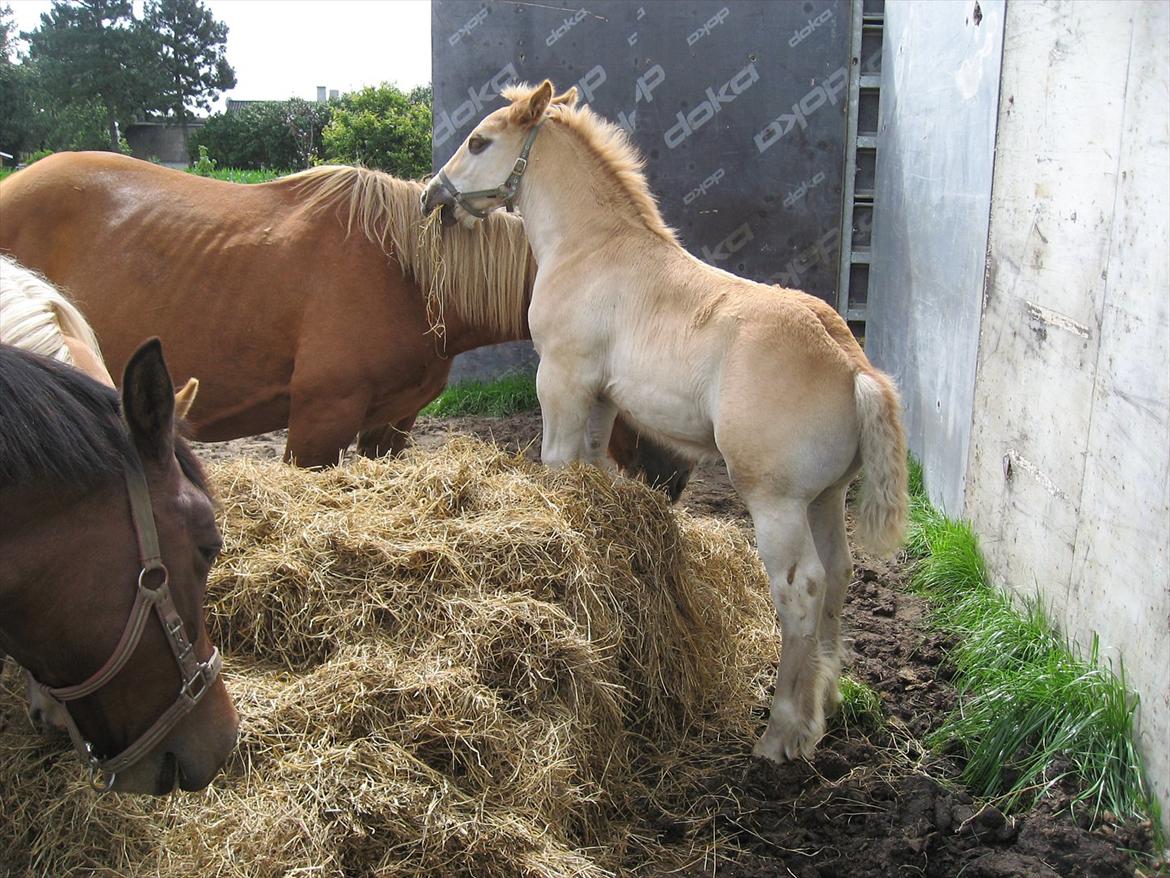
pixel 453 663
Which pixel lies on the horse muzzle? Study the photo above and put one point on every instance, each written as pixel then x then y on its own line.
pixel 436 197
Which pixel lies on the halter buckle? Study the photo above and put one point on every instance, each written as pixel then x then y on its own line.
pixel 99 781
pixel 197 685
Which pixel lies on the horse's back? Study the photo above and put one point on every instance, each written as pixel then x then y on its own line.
pixel 213 268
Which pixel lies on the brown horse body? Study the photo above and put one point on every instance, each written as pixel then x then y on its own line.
pixel 302 302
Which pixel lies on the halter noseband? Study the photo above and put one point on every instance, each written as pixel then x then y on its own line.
pixel 508 190
pixel 196 676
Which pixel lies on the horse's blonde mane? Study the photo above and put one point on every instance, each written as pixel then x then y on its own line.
pixel 483 273
pixel 35 316
pixel 610 145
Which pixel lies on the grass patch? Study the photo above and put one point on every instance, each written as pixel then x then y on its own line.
pixel 1031 713
pixel 505 396
pixel 6 172
pixel 238 175
pixel 861 708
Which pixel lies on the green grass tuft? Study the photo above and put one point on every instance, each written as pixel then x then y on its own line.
pixel 861 707
pixel 1030 714
pixel 237 175
pixel 505 396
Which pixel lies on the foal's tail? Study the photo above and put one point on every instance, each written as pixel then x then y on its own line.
pixel 881 525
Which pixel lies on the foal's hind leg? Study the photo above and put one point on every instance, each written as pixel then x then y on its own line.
pixel 826 516
pixel 798 585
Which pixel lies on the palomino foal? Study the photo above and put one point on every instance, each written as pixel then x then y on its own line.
pixel 625 320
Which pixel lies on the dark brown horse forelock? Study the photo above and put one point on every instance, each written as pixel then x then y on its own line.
pixel 58 425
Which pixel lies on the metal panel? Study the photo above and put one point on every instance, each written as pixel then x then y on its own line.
pixel 936 146
pixel 738 107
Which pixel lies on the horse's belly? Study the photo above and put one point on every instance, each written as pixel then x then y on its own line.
pixel 667 413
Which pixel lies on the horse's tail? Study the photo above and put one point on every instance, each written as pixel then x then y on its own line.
pixel 881 525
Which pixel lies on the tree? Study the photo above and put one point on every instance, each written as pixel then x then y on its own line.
pixel 8 34
pixel 274 135
pixel 381 127
pixel 91 50
pixel 192 57
pixel 17 110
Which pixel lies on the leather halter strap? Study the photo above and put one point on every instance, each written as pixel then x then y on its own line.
pixel 153 593
pixel 508 190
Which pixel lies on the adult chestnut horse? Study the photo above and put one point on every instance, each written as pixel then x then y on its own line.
pixel 309 302
pixel 626 320
pixel 107 536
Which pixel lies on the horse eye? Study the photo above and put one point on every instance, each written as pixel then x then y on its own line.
pixel 210 553
pixel 478 144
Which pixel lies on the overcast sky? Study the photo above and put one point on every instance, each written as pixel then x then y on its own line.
pixel 286 48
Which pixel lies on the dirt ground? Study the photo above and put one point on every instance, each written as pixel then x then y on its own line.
pixel 871 802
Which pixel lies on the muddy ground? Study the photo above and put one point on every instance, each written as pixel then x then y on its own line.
pixel 872 802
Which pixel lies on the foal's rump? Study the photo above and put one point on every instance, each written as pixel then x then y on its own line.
pixel 803 403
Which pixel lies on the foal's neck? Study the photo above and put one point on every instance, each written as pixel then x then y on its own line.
pixel 571 204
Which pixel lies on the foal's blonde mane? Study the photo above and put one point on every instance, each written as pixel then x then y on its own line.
pixel 610 145
pixel 36 316
pixel 483 273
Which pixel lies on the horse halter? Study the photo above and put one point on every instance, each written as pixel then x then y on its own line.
pixel 508 190
pixel 196 676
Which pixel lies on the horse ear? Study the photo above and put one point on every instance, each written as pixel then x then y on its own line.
pixel 569 97
pixel 532 108
pixel 185 397
pixel 148 402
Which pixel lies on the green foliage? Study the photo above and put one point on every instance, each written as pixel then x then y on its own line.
pixel 265 134
pixel 861 707
pixel 191 54
pixel 89 51
pixel 381 127
pixel 204 165
pixel 240 175
pixel 8 34
pixel 1030 714
pixel 19 124
pixel 80 124
pixel 500 398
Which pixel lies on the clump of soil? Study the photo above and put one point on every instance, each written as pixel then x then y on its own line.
pixel 871 802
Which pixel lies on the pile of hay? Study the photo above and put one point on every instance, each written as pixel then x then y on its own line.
pixel 456 663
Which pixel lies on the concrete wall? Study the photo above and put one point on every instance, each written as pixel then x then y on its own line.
pixel 158 141
pixel 936 145
pixel 1069 474
pixel 1054 440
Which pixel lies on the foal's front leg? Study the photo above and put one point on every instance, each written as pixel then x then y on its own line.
pixel 577 421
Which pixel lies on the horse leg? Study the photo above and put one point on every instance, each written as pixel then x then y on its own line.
pixel 798 584
pixel 643 458
pixel 322 423
pixel 390 439
pixel 598 429
pixel 827 518
pixel 573 417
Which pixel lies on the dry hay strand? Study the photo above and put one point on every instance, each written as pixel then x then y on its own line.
pixel 454 663
pixel 433 263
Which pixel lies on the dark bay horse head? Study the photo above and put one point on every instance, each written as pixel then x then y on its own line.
pixel 108 535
